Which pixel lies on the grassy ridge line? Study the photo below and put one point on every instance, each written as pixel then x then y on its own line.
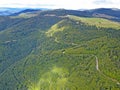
pixel 55 28
pixel 99 22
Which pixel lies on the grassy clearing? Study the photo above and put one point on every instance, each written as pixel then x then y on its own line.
pixel 99 22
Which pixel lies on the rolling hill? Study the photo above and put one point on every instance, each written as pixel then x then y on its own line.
pixel 8 11
pixel 59 50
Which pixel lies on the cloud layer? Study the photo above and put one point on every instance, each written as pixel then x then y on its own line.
pixel 68 4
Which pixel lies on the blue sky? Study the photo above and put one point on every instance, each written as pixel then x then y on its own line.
pixel 67 4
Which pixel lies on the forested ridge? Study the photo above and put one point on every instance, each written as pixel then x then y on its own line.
pixel 59 52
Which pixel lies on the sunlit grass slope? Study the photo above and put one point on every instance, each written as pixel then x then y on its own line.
pixel 99 22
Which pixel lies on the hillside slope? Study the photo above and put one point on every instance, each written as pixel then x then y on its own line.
pixel 60 53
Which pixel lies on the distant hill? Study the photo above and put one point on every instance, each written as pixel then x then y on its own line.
pixel 26 11
pixel 9 11
pixel 108 13
pixel 16 11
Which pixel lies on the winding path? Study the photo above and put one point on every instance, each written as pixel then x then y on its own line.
pixel 97 68
pixel 97 64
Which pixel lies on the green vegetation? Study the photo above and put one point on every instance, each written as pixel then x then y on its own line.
pixel 54 53
pixel 99 22
pixel 25 15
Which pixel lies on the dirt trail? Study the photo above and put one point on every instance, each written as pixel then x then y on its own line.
pixel 97 64
pixel 97 68
pixel 56 40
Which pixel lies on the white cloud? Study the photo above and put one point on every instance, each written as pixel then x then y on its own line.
pixel 70 4
pixel 107 3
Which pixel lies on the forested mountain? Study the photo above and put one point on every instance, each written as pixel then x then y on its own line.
pixel 59 50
